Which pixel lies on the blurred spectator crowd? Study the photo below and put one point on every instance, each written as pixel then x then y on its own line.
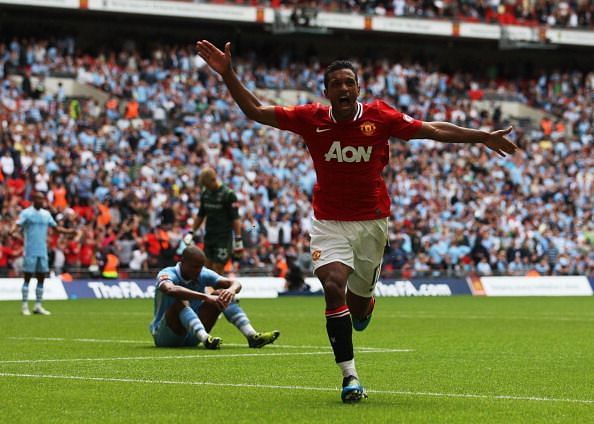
pixel 125 172
pixel 571 13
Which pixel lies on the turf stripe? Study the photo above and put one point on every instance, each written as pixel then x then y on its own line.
pixel 432 316
pixel 148 341
pixel 209 356
pixel 320 389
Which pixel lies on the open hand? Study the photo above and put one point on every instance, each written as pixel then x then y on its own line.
pixel 500 144
pixel 216 59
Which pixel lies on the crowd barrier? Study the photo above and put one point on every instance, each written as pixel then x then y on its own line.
pixel 270 287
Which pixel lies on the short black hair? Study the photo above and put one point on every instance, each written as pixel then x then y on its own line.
pixel 193 253
pixel 335 66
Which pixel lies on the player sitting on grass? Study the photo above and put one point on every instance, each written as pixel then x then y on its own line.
pixel 184 314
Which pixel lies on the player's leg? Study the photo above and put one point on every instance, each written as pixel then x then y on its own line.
pixel 208 314
pixel 368 249
pixel 361 309
pixel 41 271
pixel 333 260
pixel 338 326
pixel 25 292
pixel 338 320
pixel 236 316
pixel 173 319
pixel 217 255
pixel 217 267
pixel 182 327
pixel 29 267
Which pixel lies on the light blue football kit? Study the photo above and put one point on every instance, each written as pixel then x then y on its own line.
pixel 35 223
pixel 162 334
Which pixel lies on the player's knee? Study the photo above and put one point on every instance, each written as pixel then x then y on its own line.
pixel 178 306
pixel 334 286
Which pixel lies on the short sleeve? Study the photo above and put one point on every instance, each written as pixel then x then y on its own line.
pixel 293 118
pixel 401 125
pixel 164 276
pixel 208 277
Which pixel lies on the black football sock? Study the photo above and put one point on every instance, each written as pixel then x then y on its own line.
pixel 340 333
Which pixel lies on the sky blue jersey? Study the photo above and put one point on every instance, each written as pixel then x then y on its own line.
pixel 173 274
pixel 35 224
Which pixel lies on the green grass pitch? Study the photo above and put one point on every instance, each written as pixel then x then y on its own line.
pixel 430 360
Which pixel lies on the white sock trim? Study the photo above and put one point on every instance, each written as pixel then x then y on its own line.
pixel 348 368
pixel 247 330
pixel 202 335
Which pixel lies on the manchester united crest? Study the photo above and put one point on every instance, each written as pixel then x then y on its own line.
pixel 368 128
pixel 315 255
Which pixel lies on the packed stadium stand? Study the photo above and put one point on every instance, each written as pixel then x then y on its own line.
pixel 528 12
pixel 116 138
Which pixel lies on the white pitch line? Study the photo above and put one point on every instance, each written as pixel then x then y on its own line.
pixel 211 356
pixel 319 389
pixel 489 317
pixel 63 339
pixel 273 346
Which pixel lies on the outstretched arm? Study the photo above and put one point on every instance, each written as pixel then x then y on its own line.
pixel 246 100
pixel 64 230
pixel 450 133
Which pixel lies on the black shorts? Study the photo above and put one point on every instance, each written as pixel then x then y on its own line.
pixel 219 251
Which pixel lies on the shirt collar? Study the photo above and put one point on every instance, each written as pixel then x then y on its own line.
pixel 358 113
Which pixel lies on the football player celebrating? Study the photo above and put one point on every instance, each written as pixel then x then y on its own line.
pixel 349 144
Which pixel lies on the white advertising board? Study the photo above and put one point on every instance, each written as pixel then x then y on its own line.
pixel 176 8
pixel 10 289
pixel 412 26
pixel 565 36
pixel 537 286
pixel 67 4
pixel 340 20
pixel 261 287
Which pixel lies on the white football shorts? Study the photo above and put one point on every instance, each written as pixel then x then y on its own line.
pixel 357 244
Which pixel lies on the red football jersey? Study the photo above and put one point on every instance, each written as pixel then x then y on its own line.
pixel 349 156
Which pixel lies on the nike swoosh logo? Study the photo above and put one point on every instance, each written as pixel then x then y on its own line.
pixel 321 130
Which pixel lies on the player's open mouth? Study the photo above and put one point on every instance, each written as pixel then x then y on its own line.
pixel 344 101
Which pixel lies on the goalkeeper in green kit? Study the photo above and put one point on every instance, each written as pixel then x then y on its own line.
pixel 222 235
